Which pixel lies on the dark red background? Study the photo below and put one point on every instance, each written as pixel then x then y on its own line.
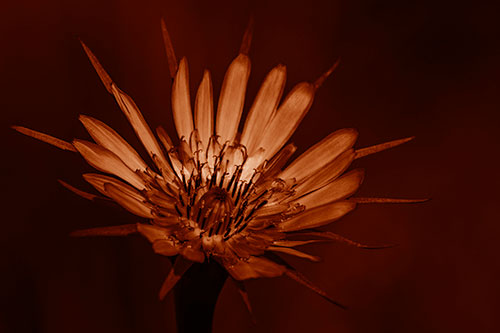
pixel 421 68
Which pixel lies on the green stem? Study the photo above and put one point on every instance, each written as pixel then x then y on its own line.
pixel 196 295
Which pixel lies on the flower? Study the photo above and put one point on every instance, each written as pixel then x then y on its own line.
pixel 220 194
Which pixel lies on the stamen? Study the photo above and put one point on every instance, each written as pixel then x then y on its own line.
pixel 178 210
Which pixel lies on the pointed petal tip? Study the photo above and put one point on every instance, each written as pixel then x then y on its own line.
pixel 360 200
pixel 119 230
pixel 381 147
pixel 83 194
pixel 247 37
pixel 169 49
pixel 103 75
pixel 61 144
pixel 319 82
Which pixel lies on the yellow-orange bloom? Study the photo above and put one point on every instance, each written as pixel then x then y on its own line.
pixel 222 194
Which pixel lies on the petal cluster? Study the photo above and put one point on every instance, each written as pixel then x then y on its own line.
pixel 220 194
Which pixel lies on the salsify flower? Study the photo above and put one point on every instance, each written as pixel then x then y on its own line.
pixel 219 194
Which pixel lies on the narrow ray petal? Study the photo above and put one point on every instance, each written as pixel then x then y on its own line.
pixel 88 196
pixel 152 232
pixel 98 181
pixel 119 230
pixel 287 118
pixel 242 290
pixel 327 174
pixel 45 138
pixel 386 200
pixel 293 243
pixel 381 147
pixel 319 82
pixel 294 252
pixel 105 161
pixel 142 130
pixel 341 239
pixel 317 217
pixel 181 265
pixel 106 80
pixel 295 275
pixel 129 202
pixel 133 115
pixel 169 49
pixel 247 37
pixel 276 164
pixel 204 109
pixel 263 108
pixel 169 147
pixel 232 98
pixel 181 103
pixel 165 248
pixel 109 139
pixel 339 189
pixel 320 154
pixel 254 267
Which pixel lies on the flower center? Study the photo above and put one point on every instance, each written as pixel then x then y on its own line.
pixel 214 210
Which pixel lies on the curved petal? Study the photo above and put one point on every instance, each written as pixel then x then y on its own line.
pixel 106 161
pixel 181 103
pixel 153 233
pixel 98 181
pixel 287 118
pixel 339 189
pixel 232 98
pixel 181 265
pixel 254 267
pixel 317 217
pixel 127 201
pixel 204 109
pixel 142 130
pixel 320 154
pixel 45 138
pixel 263 108
pixel 295 253
pixel 109 139
pixel 327 174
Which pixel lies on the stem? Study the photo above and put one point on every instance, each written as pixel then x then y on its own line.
pixel 196 295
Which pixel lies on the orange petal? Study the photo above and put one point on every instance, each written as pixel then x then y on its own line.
pixel 88 196
pixel 339 189
pixel 171 59
pixel 165 248
pixel 295 253
pixel 381 147
pixel 263 108
pixel 181 265
pixel 109 139
pixel 45 138
pixel 106 161
pixel 387 200
pixel 327 174
pixel 319 155
pixel 181 103
pixel 254 267
pixel 152 232
pixel 317 217
pixel 119 230
pixel 287 118
pixel 127 201
pixel 204 109
pixel 232 98
pixel 305 282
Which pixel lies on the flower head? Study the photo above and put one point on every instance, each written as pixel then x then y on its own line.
pixel 220 194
